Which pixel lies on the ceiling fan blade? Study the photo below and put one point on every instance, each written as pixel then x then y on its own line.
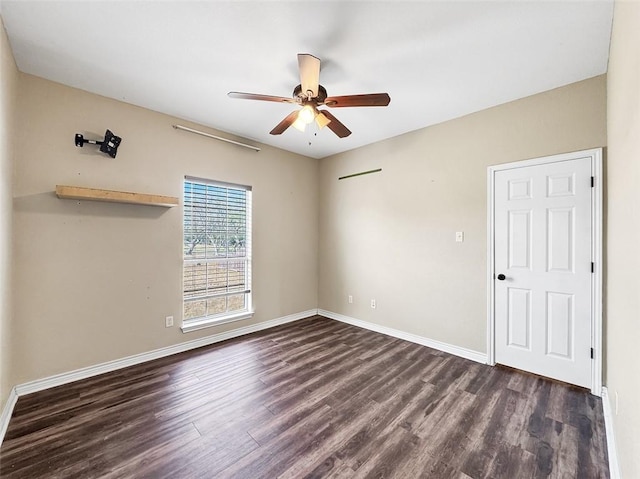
pixel 335 126
pixel 255 96
pixel 309 73
pixel 371 99
pixel 286 123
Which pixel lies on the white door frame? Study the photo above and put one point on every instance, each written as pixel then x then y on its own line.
pixel 596 254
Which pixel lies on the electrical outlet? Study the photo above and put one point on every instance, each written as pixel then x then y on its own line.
pixel 350 299
pixel 373 304
pixel 459 236
pixel 168 321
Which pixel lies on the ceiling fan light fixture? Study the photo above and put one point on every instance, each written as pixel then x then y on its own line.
pixel 306 114
pixel 322 120
pixel 299 124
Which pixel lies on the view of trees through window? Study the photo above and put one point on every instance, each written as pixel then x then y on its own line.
pixel 216 249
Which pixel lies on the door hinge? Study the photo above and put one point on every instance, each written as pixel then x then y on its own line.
pixel 593 181
pixel 591 353
pixel 593 267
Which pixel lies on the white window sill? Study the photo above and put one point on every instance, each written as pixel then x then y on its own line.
pixel 195 324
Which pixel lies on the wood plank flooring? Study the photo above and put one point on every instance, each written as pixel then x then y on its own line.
pixel 315 399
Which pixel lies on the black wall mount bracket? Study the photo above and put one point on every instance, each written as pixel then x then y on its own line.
pixel 109 145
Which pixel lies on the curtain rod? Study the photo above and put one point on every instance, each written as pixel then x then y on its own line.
pixel 180 127
pixel 360 174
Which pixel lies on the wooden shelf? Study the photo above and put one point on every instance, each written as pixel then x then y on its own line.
pixel 93 194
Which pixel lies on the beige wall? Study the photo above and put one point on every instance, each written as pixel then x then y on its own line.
pixel 623 235
pixel 8 89
pixel 391 235
pixel 94 281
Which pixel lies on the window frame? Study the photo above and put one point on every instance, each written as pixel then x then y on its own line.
pixel 247 312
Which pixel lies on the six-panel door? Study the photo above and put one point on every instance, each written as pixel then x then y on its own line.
pixel 543 248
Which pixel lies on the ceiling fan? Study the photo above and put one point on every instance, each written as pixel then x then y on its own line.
pixel 310 95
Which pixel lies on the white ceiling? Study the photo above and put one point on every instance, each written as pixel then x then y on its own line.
pixel 438 60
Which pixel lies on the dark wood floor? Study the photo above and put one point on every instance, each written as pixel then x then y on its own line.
pixel 315 398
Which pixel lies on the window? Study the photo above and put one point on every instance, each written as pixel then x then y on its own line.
pixel 217 253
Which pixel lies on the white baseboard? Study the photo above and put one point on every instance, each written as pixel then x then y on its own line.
pixel 614 466
pixel 431 343
pixel 7 411
pixel 65 378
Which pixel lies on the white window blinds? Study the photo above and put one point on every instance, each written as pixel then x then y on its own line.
pixel 217 249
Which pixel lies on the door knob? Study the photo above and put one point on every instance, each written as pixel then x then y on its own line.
pixel 502 277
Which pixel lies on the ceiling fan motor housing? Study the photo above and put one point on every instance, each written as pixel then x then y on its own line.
pixel 318 100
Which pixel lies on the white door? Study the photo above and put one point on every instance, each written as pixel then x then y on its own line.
pixel 543 267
